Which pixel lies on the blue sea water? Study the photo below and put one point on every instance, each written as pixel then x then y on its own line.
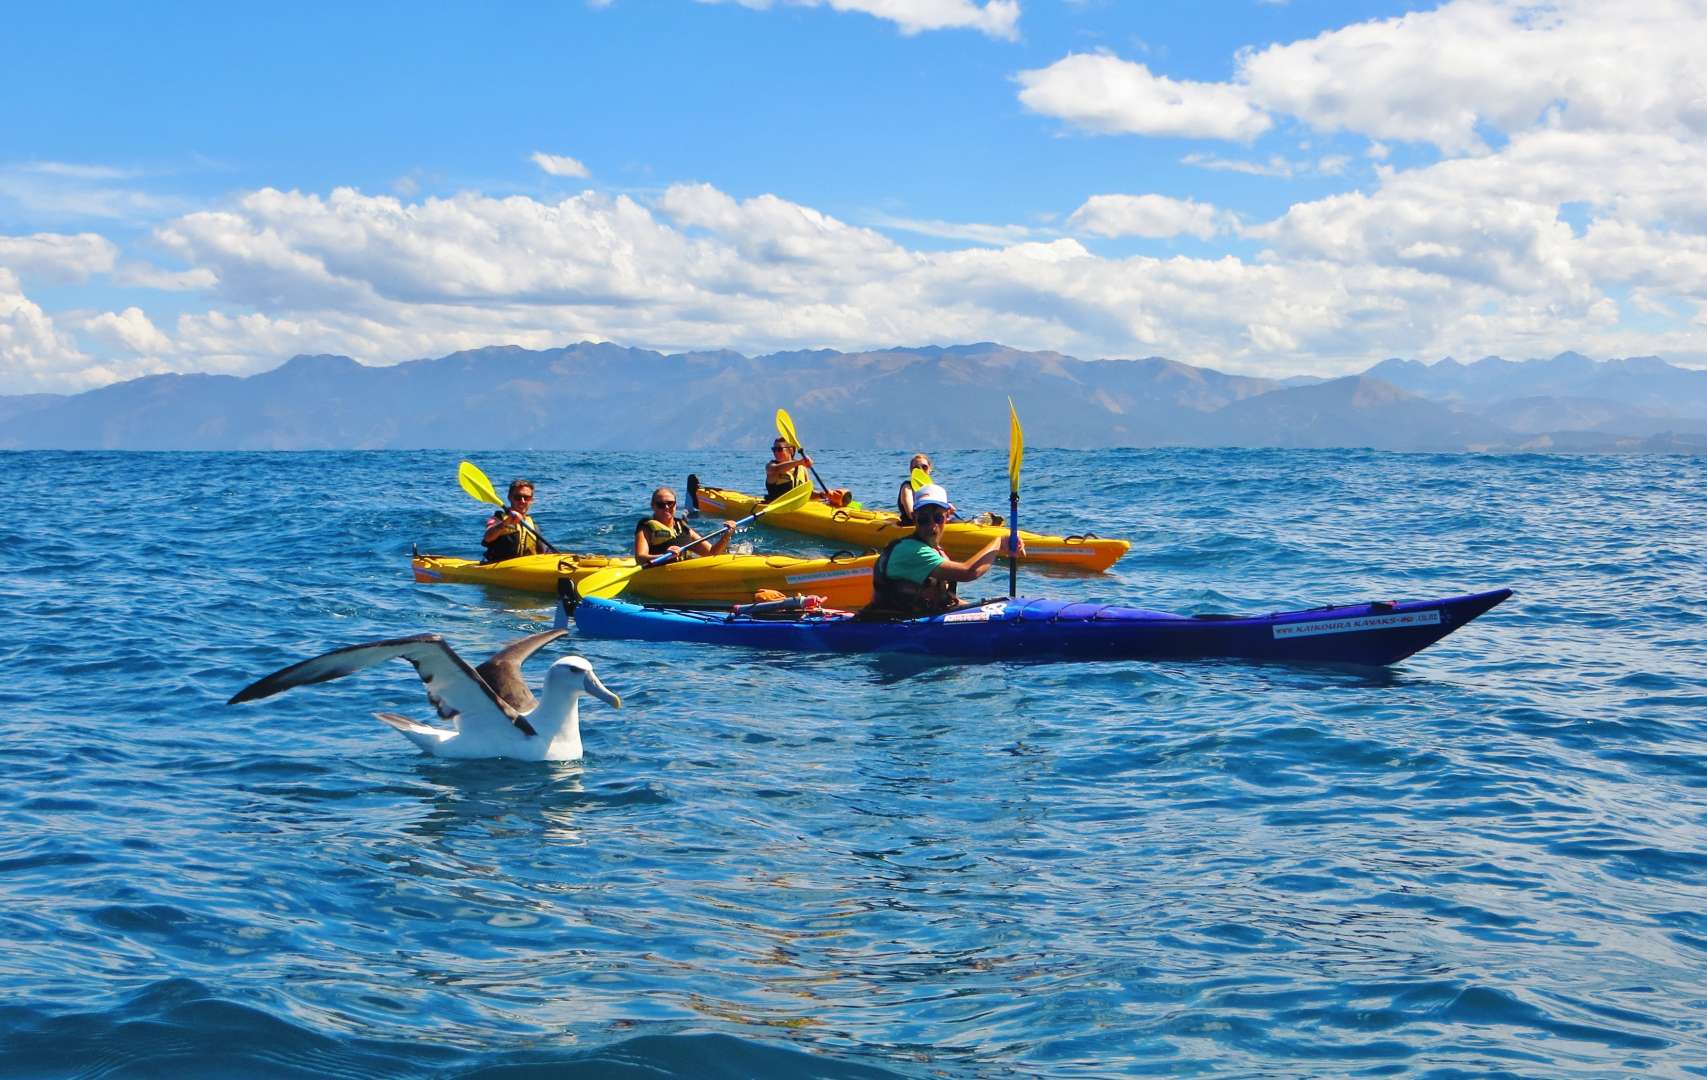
pixel 1490 860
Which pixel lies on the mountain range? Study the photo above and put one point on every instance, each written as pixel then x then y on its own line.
pixel 605 396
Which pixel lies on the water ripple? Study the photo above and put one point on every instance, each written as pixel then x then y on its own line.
pixel 1488 861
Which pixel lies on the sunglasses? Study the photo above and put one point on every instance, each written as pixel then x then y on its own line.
pixel 667 504
pixel 524 498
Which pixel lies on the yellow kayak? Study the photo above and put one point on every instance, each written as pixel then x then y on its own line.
pixel 843 580
pixel 876 528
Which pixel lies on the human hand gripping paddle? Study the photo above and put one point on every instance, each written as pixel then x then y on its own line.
pixel 612 580
pixel 475 483
pixel 785 428
pixel 1016 451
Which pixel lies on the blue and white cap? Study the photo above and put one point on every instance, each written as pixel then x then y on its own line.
pixel 931 495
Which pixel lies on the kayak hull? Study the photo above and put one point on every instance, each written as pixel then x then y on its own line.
pixel 719 579
pixel 874 529
pixel 1365 634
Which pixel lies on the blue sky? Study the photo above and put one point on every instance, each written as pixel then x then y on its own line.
pixel 1260 187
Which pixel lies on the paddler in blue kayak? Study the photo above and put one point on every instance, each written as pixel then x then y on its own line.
pixel 664 532
pixel 913 576
pixel 510 532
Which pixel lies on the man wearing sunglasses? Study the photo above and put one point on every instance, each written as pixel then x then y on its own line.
pixel 664 532
pixel 510 532
pixel 913 577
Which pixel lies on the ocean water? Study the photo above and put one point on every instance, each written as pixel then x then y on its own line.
pixel 1490 860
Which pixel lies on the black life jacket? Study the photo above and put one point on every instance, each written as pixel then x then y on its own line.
pixel 897 598
pixel 661 537
pixel 777 491
pixel 513 542
pixel 901 507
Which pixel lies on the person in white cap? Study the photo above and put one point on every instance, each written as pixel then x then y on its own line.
pixel 913 577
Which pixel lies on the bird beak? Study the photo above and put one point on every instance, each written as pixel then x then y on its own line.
pixel 598 690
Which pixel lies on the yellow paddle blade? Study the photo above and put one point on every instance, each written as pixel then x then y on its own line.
pixel 796 497
pixel 919 479
pixel 475 483
pixel 607 582
pixel 1016 447
pixel 785 428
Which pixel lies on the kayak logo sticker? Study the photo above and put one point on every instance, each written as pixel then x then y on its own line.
pixel 1389 621
pixel 826 575
pixel 983 614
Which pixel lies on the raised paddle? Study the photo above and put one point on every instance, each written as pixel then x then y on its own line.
pixel 785 428
pixel 612 580
pixel 920 478
pixel 475 483
pixel 1016 451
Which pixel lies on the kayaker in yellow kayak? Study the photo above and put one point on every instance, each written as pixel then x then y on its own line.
pixel 510 531
pixel 784 470
pixel 913 577
pixel 664 532
pixel 904 498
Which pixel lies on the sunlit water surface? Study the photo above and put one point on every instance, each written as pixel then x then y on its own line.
pixel 1489 860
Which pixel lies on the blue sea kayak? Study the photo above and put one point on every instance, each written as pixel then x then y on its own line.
pixel 1375 634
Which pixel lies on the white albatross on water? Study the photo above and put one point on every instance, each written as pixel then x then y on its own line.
pixel 492 711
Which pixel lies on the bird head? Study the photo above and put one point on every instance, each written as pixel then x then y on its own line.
pixel 573 676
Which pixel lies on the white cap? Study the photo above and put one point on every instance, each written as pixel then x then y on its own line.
pixel 931 495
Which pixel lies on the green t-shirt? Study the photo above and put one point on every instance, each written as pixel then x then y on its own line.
pixel 913 560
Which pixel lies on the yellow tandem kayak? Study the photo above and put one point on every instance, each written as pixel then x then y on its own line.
pixel 843 580
pixel 875 529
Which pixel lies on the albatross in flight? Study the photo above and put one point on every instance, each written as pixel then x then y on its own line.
pixel 492 711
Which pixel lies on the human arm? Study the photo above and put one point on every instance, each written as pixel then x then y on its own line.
pixel 977 566
pixel 703 546
pixel 499 524
pixel 778 471
pixel 904 501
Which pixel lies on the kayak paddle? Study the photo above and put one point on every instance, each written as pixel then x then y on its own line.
pixel 611 580
pixel 1016 451
pixel 920 478
pixel 475 483
pixel 785 428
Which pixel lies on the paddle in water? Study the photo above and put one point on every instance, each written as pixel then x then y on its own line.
pixel 785 428
pixel 613 580
pixel 475 483
pixel 1016 451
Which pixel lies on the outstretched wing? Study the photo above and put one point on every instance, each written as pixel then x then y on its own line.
pixel 456 690
pixel 503 673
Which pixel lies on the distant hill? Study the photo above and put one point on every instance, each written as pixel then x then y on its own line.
pixel 1354 411
pixel 605 396
pixel 1631 396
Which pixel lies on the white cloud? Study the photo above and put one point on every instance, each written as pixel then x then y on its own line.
pixel 57 258
pixel 1154 216
pixel 973 232
pixel 51 192
pixel 129 330
pixel 554 165
pixel 1113 96
pixel 1464 257
pixel 147 276
pixel 997 18
pixel 34 356
pixel 1276 165
pixel 1513 65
